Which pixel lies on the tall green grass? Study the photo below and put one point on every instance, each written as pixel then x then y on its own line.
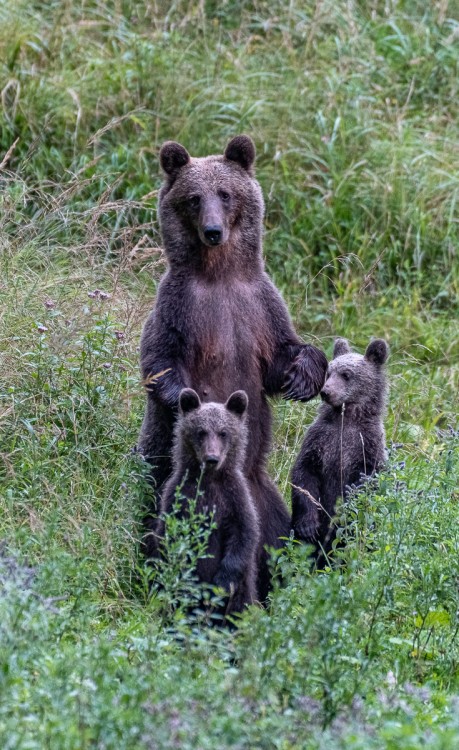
pixel 353 109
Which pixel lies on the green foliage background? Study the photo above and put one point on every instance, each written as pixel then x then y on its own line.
pixel 354 108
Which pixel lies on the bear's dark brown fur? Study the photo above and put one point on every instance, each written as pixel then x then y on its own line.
pixel 209 452
pixel 344 444
pixel 219 324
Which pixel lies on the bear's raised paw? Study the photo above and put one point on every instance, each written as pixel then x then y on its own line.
pixel 306 376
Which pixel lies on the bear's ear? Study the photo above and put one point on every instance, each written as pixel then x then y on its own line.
pixel 188 400
pixel 173 157
pixel 241 149
pixel 377 352
pixel 341 347
pixel 238 403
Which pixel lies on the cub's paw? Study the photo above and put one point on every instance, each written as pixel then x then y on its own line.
pixel 224 581
pixel 307 530
pixel 306 376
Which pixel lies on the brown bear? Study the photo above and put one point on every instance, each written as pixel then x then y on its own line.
pixel 209 450
pixel 219 324
pixel 345 444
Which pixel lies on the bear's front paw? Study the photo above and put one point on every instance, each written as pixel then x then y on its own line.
pixel 224 581
pixel 307 530
pixel 306 376
pixel 164 387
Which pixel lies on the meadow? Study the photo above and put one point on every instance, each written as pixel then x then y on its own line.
pixel 353 107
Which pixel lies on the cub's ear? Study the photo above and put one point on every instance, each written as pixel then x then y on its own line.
pixel 341 347
pixel 377 352
pixel 188 400
pixel 241 149
pixel 238 403
pixel 173 157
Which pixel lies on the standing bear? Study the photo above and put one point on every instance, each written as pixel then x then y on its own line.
pixel 344 444
pixel 209 450
pixel 219 324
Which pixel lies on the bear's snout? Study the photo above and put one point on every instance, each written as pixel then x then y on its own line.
pixel 212 453
pixel 325 396
pixel 211 460
pixel 213 234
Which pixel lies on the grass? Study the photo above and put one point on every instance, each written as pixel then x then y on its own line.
pixel 353 107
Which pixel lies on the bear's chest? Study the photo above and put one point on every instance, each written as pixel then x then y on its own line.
pixel 227 324
pixel 349 449
pixel 342 449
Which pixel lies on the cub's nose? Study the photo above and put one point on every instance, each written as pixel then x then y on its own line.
pixel 213 234
pixel 325 396
pixel 211 460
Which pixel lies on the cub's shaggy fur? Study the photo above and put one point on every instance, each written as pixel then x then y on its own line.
pixel 209 452
pixel 344 444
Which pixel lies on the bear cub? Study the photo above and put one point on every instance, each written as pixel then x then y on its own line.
pixel 345 444
pixel 208 458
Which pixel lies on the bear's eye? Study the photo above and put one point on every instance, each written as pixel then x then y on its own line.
pixel 224 196
pixel 345 375
pixel 202 434
pixel 194 201
pixel 223 434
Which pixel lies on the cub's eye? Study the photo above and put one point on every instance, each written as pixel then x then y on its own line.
pixel 202 434
pixel 194 201
pixel 345 375
pixel 223 434
pixel 224 196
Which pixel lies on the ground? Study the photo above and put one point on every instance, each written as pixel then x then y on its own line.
pixel 353 108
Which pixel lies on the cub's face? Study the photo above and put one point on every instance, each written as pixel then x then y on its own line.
pixel 346 378
pixel 210 432
pixel 354 378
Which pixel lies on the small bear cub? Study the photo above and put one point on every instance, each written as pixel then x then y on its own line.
pixel 345 443
pixel 208 459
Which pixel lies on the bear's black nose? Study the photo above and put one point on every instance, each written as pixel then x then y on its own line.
pixel 211 460
pixel 213 234
pixel 325 396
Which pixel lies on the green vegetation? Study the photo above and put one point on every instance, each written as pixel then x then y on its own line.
pixel 354 108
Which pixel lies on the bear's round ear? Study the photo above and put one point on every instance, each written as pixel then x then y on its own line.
pixel 173 157
pixel 238 403
pixel 189 400
pixel 241 149
pixel 377 352
pixel 341 347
